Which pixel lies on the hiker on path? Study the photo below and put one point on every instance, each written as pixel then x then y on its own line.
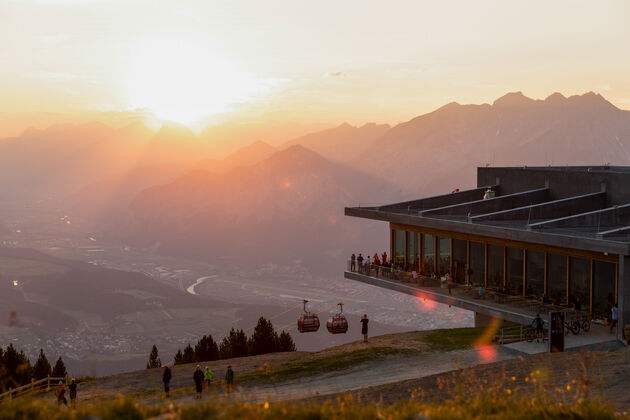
pixel 229 378
pixel 73 393
pixel 198 378
pixel 364 327
pixel 207 376
pixel 166 378
pixel 60 392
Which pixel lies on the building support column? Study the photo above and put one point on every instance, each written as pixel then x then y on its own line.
pixel 623 295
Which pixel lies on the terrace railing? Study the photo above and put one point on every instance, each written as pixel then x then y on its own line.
pixel 39 385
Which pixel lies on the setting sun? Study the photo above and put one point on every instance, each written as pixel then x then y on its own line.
pixel 184 80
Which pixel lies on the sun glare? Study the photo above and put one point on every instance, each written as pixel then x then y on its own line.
pixel 185 80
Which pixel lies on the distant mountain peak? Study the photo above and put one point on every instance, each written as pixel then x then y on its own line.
pixel 591 98
pixel 555 98
pixel 513 98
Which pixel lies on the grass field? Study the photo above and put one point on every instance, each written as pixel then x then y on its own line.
pixel 483 406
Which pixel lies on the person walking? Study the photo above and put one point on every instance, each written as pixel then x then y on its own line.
pixel 198 378
pixel 364 327
pixel 73 393
pixel 384 260
pixel 614 317
pixel 207 376
pixel 166 379
pixel 538 324
pixel 229 379
pixel 353 262
pixel 60 392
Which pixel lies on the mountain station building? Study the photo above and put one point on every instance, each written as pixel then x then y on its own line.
pixel 524 232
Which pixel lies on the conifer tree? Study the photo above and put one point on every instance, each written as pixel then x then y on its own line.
pixel 285 342
pixel 206 349
pixel 17 368
pixel 154 360
pixel 264 339
pixel 189 354
pixel 42 368
pixel 234 345
pixel 179 358
pixel 59 371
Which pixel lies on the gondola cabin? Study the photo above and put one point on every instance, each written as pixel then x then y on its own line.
pixel 308 322
pixel 337 324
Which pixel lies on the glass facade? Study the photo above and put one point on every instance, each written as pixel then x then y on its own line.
pixel 580 283
pixel 495 267
pixel 428 254
pixel 413 248
pixel 575 281
pixel 535 282
pixel 444 262
pixel 557 278
pixel 514 271
pixel 477 263
pixel 603 287
pixel 399 245
pixel 460 258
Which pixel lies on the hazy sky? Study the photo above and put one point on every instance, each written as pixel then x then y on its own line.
pixel 299 61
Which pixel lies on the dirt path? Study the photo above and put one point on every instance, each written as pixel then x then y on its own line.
pixel 372 374
pixel 605 374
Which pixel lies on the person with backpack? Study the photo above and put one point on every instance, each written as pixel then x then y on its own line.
pixel 198 378
pixel 229 379
pixel 207 376
pixel 73 393
pixel 166 379
pixel 538 325
pixel 60 392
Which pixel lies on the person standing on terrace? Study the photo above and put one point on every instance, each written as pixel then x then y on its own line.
pixel 353 259
pixel 384 257
pixel 360 261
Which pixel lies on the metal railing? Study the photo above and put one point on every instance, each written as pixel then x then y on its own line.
pixel 34 385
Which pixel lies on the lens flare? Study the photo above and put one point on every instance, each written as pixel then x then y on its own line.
pixel 487 352
pixel 423 303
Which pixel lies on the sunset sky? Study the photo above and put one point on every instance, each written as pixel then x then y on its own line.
pixel 199 62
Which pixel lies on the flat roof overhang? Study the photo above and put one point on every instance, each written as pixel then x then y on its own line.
pixel 500 232
pixel 508 312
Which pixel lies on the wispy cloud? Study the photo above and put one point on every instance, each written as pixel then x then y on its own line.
pixel 336 74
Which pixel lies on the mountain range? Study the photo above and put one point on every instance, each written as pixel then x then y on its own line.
pixel 265 202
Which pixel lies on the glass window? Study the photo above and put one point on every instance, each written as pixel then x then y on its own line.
pixel 399 245
pixel 514 270
pixel 444 263
pixel 477 268
pixel 495 267
pixel 603 287
pixel 459 261
pixel 413 248
pixel 557 278
pixel 580 282
pixel 428 254
pixel 535 283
